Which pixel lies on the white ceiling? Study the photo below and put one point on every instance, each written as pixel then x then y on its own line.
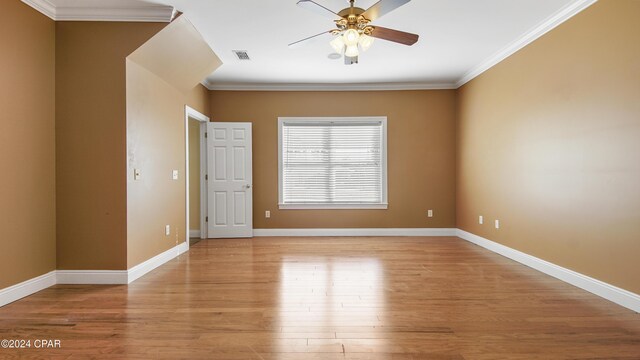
pixel 455 37
pixel 459 39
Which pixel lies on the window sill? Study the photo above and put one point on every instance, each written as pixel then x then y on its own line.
pixel 332 206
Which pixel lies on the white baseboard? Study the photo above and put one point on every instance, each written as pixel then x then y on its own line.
pixel 356 232
pixel 88 277
pixel 194 234
pixel 26 288
pixel 91 277
pixel 612 293
pixel 115 277
pixel 143 268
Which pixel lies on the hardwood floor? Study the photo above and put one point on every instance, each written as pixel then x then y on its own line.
pixel 327 298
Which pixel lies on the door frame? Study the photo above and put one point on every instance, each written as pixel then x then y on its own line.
pixel 191 113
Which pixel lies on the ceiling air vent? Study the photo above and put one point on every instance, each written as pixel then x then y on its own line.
pixel 242 54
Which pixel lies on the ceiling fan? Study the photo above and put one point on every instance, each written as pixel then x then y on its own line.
pixel 353 29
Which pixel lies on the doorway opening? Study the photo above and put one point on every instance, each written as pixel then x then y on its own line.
pixel 196 164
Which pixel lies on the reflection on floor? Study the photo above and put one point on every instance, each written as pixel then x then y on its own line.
pixel 328 298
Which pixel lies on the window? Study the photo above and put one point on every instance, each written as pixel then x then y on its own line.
pixel 332 163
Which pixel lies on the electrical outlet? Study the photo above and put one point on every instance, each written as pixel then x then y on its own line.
pixel 267 214
pixel 430 213
pixel 174 174
pixel 137 174
pixel 497 224
pixel 480 219
pixel 167 230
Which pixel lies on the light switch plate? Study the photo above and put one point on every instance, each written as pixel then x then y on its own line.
pixel 497 224
pixel 174 175
pixel 430 213
pixel 137 174
pixel 167 229
pixel 480 219
pixel 267 214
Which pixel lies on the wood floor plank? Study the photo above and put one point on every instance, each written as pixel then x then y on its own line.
pixel 368 298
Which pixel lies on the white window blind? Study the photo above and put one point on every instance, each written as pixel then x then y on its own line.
pixel 333 162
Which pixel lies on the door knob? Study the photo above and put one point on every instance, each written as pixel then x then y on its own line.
pixel 248 186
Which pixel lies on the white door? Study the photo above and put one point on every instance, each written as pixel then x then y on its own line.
pixel 230 194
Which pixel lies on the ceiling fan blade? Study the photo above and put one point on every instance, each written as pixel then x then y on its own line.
pixel 383 7
pixel 395 35
pixel 318 9
pixel 309 39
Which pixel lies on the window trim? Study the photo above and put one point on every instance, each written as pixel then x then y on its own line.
pixel 361 119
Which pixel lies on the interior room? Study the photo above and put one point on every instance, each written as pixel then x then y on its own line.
pixel 320 179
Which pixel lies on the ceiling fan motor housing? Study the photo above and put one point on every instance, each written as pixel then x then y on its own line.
pixel 351 18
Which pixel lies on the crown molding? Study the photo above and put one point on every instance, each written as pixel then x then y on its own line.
pixel 43 6
pixel 532 35
pixel 139 14
pixel 155 13
pixel 327 87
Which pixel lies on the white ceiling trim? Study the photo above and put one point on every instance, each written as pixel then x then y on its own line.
pixel 143 14
pixel 327 87
pixel 159 13
pixel 549 24
pixel 43 6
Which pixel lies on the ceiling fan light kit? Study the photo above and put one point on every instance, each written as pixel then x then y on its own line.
pixel 365 41
pixel 337 44
pixel 353 32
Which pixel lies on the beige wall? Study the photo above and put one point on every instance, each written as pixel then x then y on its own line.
pixel 27 144
pixel 156 146
pixel 194 174
pixel 199 99
pixel 548 142
pixel 156 143
pixel 421 153
pixel 91 141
